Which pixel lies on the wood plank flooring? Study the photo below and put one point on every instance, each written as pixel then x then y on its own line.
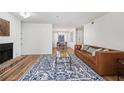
pixel 25 62
pixel 19 69
pixel 70 50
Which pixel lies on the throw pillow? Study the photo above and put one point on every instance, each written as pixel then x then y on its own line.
pixel 85 47
pixel 91 50
pixel 94 52
pixel 106 49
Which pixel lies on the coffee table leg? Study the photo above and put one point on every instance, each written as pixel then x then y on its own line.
pixel 55 67
pixel 70 64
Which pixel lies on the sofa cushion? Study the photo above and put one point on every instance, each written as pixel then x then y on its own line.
pixel 87 56
pixel 91 50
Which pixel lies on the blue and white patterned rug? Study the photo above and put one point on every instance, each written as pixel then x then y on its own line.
pixel 44 69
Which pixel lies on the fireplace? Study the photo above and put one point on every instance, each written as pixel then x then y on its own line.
pixel 6 52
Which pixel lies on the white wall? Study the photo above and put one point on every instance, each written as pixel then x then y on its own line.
pixel 15 33
pixel 36 38
pixel 80 35
pixel 71 44
pixel 107 31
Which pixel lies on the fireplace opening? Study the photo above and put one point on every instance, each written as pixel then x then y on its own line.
pixel 6 52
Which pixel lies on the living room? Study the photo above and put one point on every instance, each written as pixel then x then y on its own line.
pixel 61 46
pixel 88 38
pixel 24 32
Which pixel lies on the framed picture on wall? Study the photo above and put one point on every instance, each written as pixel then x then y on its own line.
pixel 4 27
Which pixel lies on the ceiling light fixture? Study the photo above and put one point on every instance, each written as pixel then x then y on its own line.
pixel 25 14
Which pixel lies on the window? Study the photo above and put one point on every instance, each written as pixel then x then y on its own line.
pixel 60 38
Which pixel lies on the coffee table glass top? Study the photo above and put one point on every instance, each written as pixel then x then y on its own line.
pixel 62 54
pixel 63 57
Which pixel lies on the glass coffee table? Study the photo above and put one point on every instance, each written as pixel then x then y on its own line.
pixel 63 57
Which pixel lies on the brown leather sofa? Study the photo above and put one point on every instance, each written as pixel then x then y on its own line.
pixel 104 62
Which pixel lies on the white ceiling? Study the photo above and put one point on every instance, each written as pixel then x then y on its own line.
pixel 61 19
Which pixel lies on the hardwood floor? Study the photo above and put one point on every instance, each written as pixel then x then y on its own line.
pixel 20 65
pixel 70 50
pixel 113 78
pixel 16 71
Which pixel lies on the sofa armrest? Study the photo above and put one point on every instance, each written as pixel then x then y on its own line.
pixel 106 62
pixel 77 47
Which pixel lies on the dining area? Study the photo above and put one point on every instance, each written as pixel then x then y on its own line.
pixel 62 45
